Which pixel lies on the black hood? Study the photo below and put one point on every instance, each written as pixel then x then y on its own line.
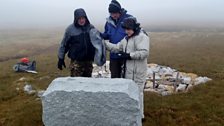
pixel 130 23
pixel 80 13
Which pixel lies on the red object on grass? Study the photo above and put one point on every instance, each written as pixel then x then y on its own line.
pixel 24 60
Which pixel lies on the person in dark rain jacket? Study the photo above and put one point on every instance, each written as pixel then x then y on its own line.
pixel 83 44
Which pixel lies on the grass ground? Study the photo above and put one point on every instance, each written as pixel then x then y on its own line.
pixel 198 52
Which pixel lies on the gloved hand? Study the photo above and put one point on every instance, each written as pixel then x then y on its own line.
pixel 124 55
pixel 104 36
pixel 61 63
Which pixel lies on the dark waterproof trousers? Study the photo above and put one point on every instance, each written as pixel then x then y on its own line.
pixel 116 68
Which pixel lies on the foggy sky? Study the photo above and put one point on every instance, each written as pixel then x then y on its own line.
pixel 57 13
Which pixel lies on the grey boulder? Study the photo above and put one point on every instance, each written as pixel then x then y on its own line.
pixel 77 101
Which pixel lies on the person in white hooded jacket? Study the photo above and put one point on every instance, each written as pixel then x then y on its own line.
pixel 134 50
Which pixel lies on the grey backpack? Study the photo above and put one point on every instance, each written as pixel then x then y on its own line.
pixel 25 67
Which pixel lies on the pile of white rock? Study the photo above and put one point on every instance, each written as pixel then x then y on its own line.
pixel 101 72
pixel 165 80
pixel 29 90
pixel 23 85
pixel 160 79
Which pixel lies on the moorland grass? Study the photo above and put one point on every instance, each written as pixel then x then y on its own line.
pixel 197 52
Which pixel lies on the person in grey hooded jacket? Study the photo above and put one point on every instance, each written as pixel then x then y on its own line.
pixel 83 44
pixel 134 49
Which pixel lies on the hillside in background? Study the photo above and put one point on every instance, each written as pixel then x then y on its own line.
pixel 197 51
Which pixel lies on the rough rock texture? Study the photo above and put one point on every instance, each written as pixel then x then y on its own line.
pixel 91 102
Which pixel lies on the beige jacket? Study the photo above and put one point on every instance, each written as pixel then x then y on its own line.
pixel 138 47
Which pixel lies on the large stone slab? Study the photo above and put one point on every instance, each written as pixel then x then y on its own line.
pixel 77 101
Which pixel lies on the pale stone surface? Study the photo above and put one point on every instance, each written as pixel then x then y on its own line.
pixel 166 82
pixel 28 89
pixel 91 102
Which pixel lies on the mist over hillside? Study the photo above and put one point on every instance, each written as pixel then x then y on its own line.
pixel 154 15
pixel 146 27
